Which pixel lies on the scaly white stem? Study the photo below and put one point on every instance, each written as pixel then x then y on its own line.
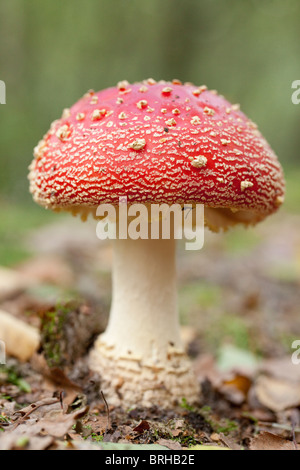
pixel 140 357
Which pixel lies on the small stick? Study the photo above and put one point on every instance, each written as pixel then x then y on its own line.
pixel 61 399
pixel 294 422
pixel 108 426
pixel 285 427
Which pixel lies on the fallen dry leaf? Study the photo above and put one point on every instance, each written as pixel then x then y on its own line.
pixel 229 442
pixel 277 394
pixel 98 424
pixel 56 426
pixel 14 441
pixel 240 382
pixel 281 368
pixel 169 444
pixel 39 426
pixel 236 388
pixel 30 409
pixel 142 426
pixel 205 369
pixel 268 441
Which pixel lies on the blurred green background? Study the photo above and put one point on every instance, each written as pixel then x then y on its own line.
pixel 52 51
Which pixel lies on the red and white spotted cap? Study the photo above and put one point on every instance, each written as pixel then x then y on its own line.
pixel 158 142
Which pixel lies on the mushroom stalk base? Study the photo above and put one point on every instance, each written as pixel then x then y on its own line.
pixel 140 357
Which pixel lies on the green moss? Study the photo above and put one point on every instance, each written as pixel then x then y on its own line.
pixel 96 437
pixel 3 420
pixel 53 322
pixel 187 441
pixel 186 437
pixel 226 426
pixel 13 377
pixel 184 404
pixel 223 425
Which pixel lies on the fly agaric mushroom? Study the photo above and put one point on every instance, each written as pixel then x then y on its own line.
pixel 153 143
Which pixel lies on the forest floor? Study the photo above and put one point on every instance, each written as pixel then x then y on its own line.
pixel 239 299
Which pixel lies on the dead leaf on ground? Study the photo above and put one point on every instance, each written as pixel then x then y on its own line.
pixel 205 369
pixel 38 426
pixel 236 388
pixel 41 407
pixel 98 424
pixel 56 426
pixel 169 444
pixel 269 441
pixel 276 394
pixel 229 442
pixel 14 441
pixel 282 368
pixel 179 427
pixel 142 426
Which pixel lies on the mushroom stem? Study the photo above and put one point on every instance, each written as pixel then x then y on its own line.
pixel 140 356
pixel 144 317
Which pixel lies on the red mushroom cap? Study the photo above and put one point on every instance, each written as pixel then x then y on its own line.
pixel 162 142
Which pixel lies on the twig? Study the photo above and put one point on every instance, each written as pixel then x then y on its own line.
pixel 108 426
pixel 285 427
pixel 61 399
pixel 294 422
